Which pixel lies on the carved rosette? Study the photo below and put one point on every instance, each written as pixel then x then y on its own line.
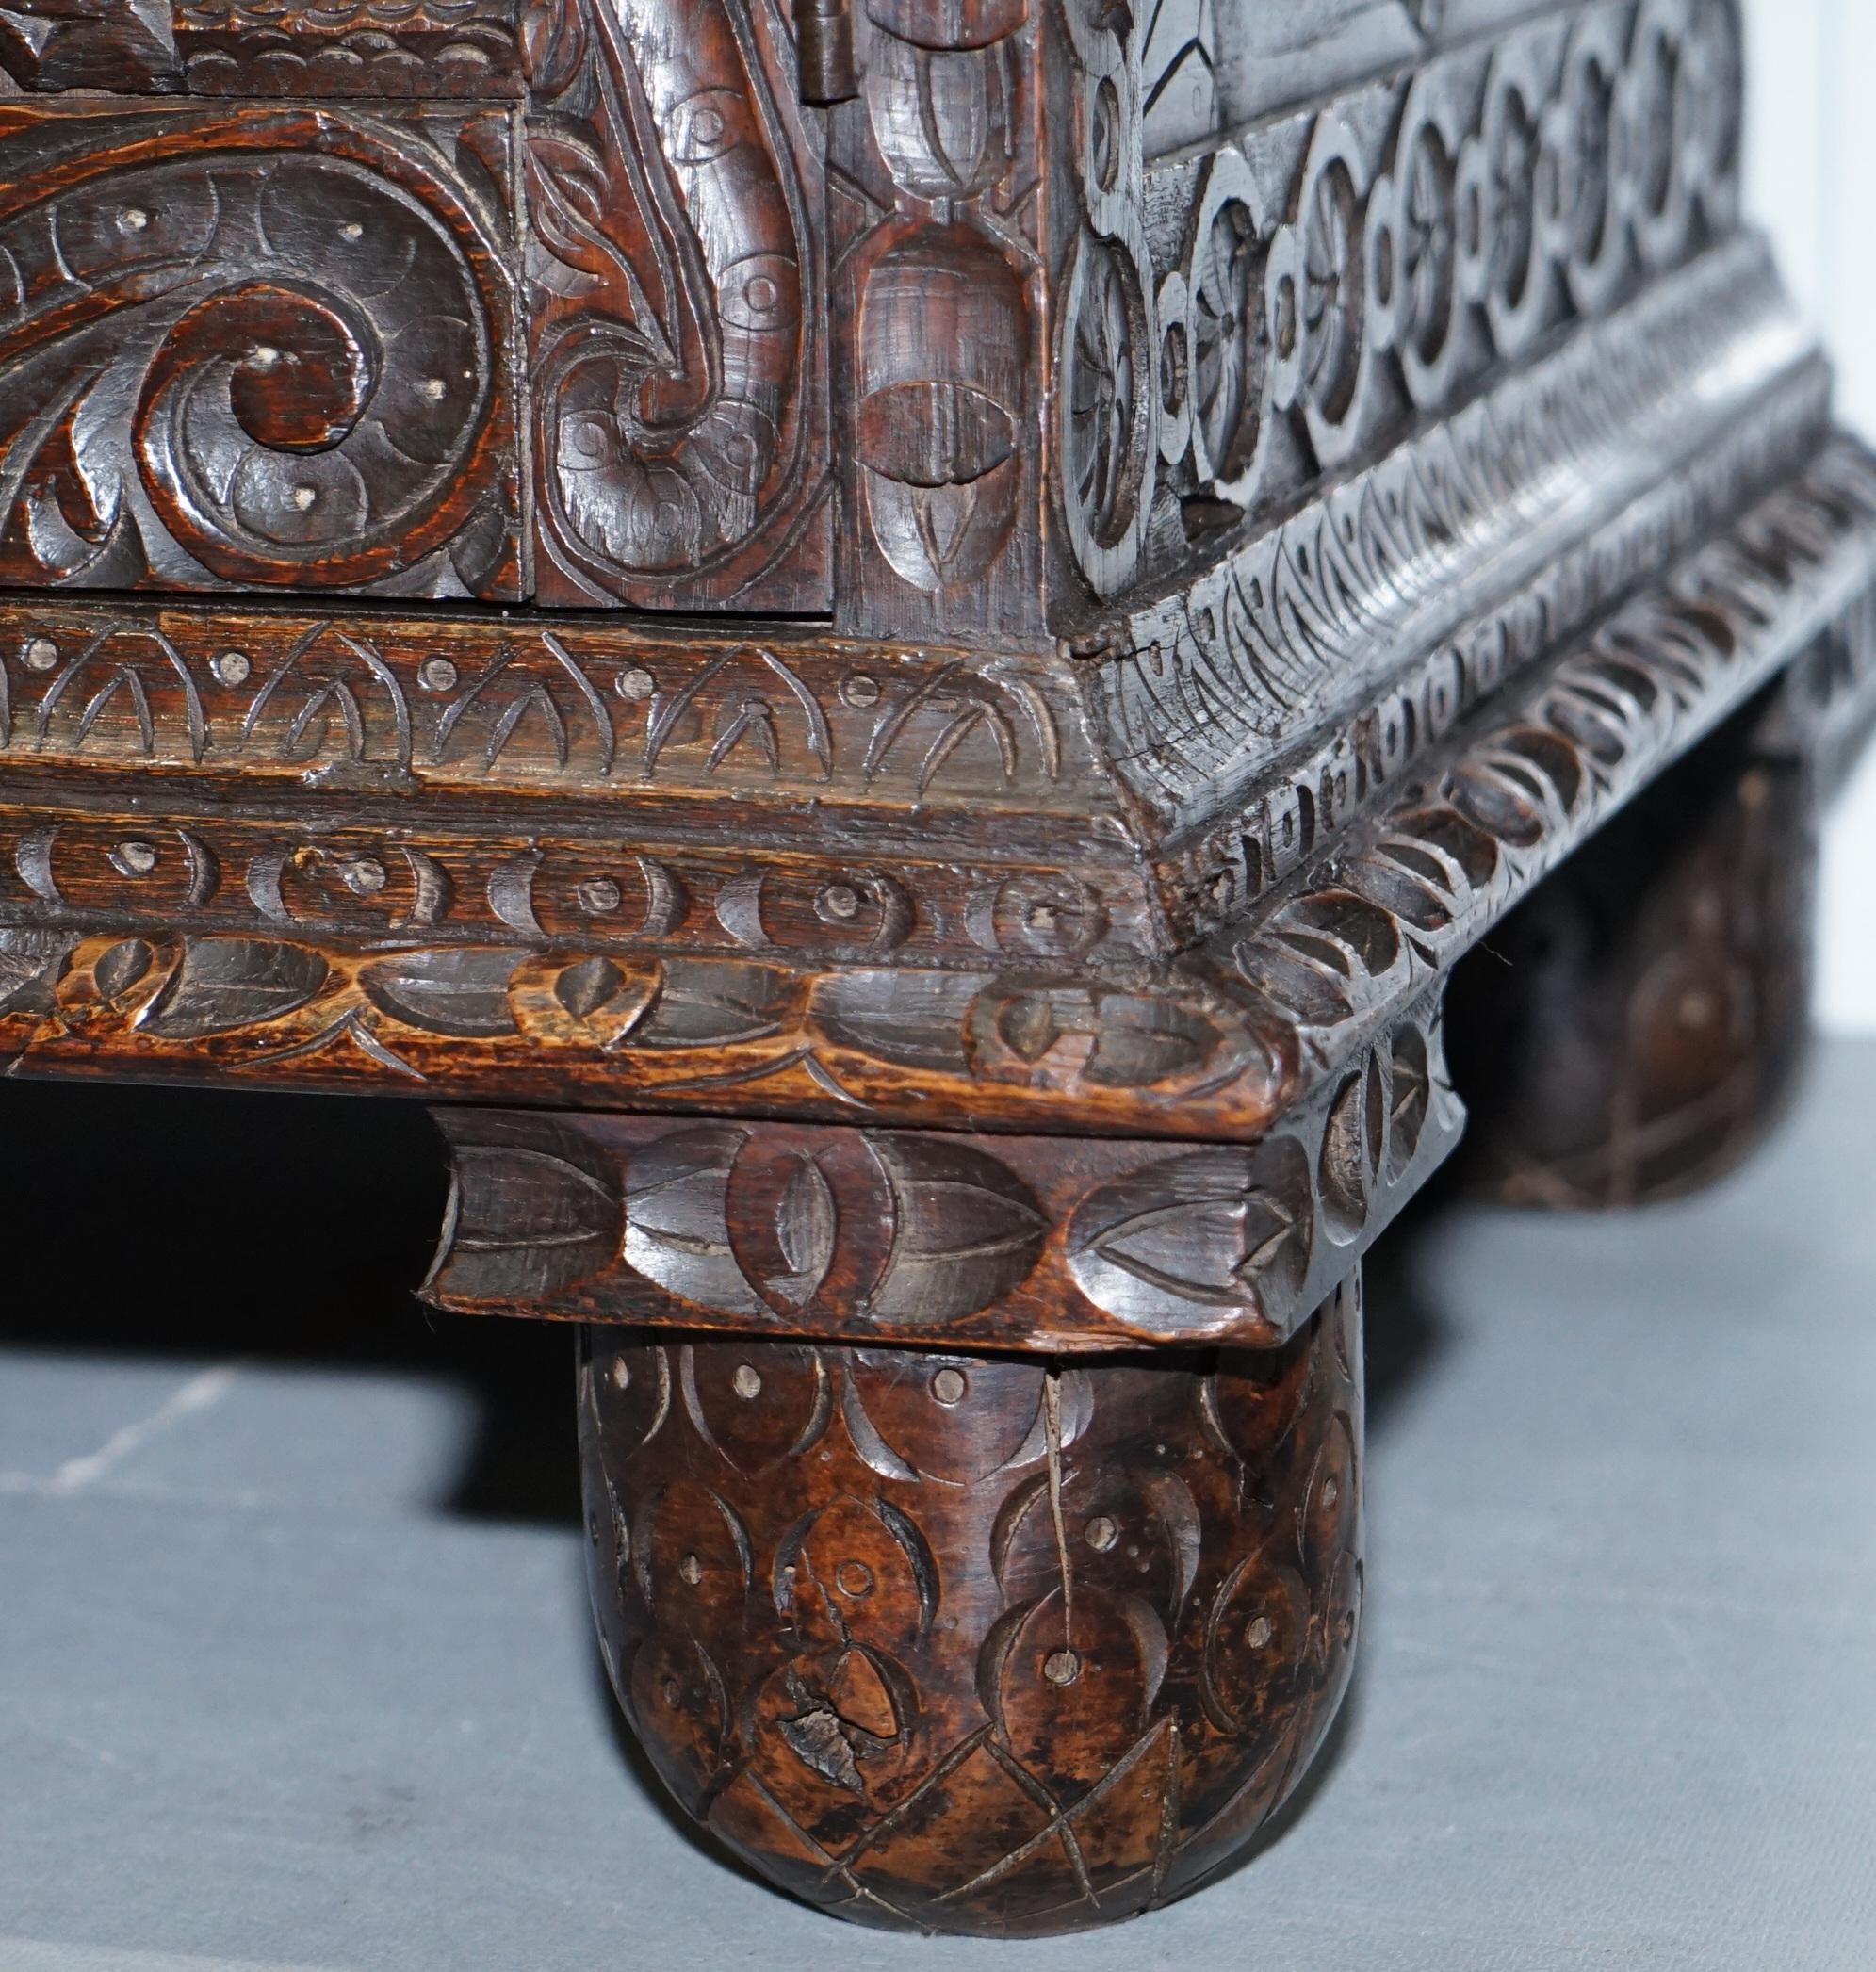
pixel 962 1643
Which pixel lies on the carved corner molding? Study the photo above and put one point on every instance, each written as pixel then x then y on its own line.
pixel 1304 671
pixel 1401 895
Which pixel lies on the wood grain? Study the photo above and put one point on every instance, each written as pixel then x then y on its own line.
pixel 926 631
pixel 943 1641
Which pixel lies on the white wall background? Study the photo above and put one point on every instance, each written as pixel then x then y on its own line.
pixel 1811 177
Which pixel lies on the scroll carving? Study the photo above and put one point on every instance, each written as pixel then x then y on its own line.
pixel 679 309
pixel 262 348
pixel 933 203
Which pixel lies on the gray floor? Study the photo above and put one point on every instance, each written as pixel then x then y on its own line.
pixel 272 1695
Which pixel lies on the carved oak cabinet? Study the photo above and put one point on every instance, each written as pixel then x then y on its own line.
pixel 892 649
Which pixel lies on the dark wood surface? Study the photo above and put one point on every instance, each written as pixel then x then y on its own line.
pixel 1637 1026
pixel 965 1643
pixel 1043 1245
pixel 927 630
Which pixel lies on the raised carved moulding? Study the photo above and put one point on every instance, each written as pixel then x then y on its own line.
pixel 1006 1242
pixel 483 956
pixel 427 48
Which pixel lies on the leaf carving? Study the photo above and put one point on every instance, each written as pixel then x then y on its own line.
pixel 965 1230
pixel 524 1222
pixel 30 965
pixel 913 1020
pixel 222 985
pixel 805 1227
pixel 120 966
pixel 1197 1236
pixel 452 989
pixel 706 1004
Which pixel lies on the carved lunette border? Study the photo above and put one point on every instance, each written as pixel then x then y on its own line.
pixel 871 1236
pixel 382 881
pixel 435 49
pixel 1277 1008
pixel 573 708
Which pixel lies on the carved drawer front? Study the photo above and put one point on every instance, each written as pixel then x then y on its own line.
pixel 259 349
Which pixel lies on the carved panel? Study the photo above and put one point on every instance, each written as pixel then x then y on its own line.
pixel 1009 1242
pixel 1384 252
pixel 677 279
pixel 257 349
pixel 935 210
pixel 944 1643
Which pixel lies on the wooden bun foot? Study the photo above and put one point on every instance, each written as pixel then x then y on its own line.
pixel 972 1644
pixel 1636 1025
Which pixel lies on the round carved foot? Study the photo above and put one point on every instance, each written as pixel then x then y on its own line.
pixel 1633 1029
pixel 975 1643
